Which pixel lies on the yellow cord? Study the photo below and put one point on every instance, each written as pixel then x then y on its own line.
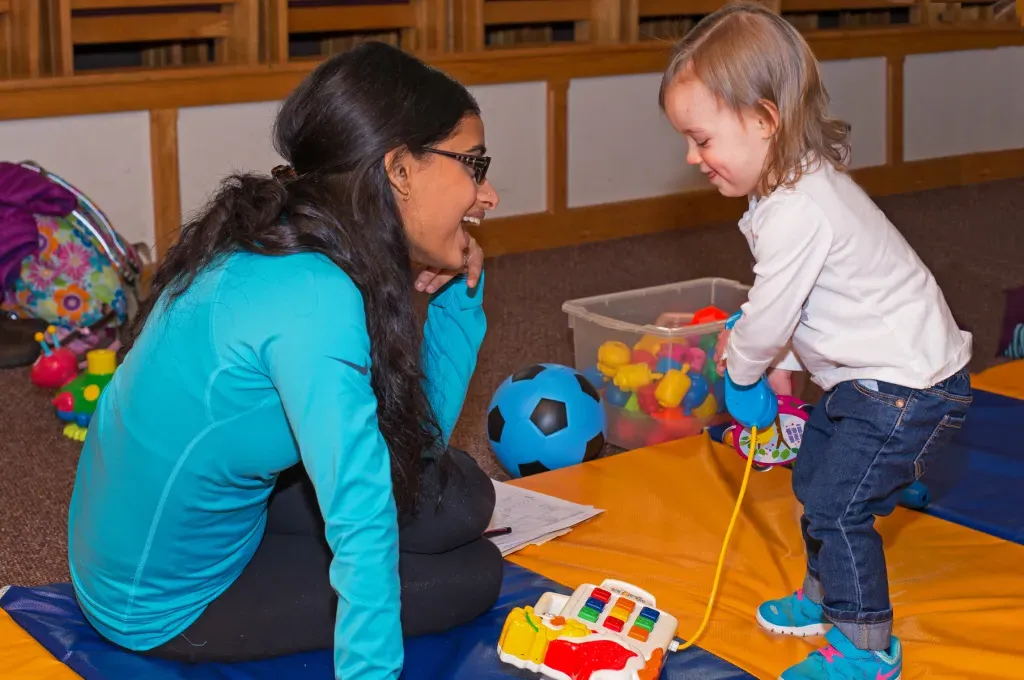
pixel 725 543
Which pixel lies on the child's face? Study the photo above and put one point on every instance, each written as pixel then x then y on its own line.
pixel 729 147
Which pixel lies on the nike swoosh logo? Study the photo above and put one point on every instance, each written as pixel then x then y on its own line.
pixel 363 370
pixel 888 675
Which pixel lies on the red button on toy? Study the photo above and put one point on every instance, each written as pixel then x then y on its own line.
pixel 611 623
pixel 601 594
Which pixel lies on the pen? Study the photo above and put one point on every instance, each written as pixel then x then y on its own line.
pixel 500 531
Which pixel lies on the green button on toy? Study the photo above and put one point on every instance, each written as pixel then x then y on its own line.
pixel 644 623
pixel 589 614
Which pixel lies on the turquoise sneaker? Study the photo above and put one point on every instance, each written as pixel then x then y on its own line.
pixel 840 660
pixel 793 615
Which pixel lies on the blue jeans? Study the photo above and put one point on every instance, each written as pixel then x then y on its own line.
pixel 865 442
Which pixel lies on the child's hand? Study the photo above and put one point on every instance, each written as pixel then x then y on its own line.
pixel 723 341
pixel 781 381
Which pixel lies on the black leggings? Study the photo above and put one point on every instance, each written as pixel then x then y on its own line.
pixel 283 602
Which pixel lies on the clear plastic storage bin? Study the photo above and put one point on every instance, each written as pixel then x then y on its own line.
pixel 650 353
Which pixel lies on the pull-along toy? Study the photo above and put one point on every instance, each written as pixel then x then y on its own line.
pixel 779 442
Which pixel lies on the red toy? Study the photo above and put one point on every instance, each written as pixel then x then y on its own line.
pixel 708 315
pixel 56 366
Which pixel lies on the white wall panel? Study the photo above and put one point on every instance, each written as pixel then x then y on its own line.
pixel 957 103
pixel 105 156
pixel 515 123
pixel 857 90
pixel 216 141
pixel 622 147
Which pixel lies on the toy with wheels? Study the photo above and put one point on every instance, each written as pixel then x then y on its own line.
pixel 76 401
pixel 545 417
pixel 56 365
pixel 779 420
pixel 779 442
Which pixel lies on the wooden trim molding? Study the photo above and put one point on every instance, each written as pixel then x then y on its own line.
pixel 558 146
pixel 163 145
pixel 215 85
pixel 894 109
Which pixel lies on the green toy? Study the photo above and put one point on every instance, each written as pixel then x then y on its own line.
pixel 76 401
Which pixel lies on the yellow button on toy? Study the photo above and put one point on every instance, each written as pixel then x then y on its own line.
pixel 91 393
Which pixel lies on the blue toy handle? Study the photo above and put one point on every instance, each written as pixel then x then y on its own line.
pixel 750 405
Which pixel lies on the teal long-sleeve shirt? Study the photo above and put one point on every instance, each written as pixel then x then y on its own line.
pixel 263 363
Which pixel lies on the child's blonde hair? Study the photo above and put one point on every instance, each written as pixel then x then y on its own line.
pixel 747 55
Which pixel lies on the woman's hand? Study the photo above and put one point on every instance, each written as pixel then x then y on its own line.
pixel 432 279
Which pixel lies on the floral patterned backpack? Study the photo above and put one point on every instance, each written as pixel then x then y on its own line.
pixel 82 277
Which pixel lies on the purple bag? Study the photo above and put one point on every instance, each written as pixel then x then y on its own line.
pixel 61 261
pixel 23 195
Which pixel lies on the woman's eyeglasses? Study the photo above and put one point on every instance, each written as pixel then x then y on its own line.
pixel 478 164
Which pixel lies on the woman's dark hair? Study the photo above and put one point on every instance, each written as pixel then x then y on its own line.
pixel 334 130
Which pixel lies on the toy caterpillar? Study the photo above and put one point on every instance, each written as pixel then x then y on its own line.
pixel 76 401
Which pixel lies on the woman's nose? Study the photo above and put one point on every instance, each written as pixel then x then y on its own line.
pixel 487 195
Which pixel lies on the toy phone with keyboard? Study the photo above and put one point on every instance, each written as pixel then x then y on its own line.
pixel 609 632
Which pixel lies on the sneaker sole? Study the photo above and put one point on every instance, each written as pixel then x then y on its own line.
pixel 896 678
pixel 812 630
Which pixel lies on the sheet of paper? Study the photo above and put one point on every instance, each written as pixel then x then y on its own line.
pixel 535 518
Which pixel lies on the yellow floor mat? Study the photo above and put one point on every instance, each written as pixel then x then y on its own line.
pixel 1005 379
pixel 958 594
pixel 23 658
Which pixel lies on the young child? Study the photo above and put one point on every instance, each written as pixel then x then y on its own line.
pixel 864 316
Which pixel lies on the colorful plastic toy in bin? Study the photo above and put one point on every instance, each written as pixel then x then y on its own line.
pixel 650 353
pixel 609 632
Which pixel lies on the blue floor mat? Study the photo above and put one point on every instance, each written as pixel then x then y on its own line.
pixel 51 615
pixel 979 481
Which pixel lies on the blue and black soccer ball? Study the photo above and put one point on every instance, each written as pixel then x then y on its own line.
pixel 545 417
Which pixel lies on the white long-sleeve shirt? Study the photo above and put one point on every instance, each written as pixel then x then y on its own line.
pixel 835 277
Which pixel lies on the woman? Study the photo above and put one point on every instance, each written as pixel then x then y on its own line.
pixel 268 473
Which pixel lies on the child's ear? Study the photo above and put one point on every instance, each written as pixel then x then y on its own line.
pixel 767 119
pixel 399 168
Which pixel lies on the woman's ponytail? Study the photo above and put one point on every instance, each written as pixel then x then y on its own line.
pixel 245 207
